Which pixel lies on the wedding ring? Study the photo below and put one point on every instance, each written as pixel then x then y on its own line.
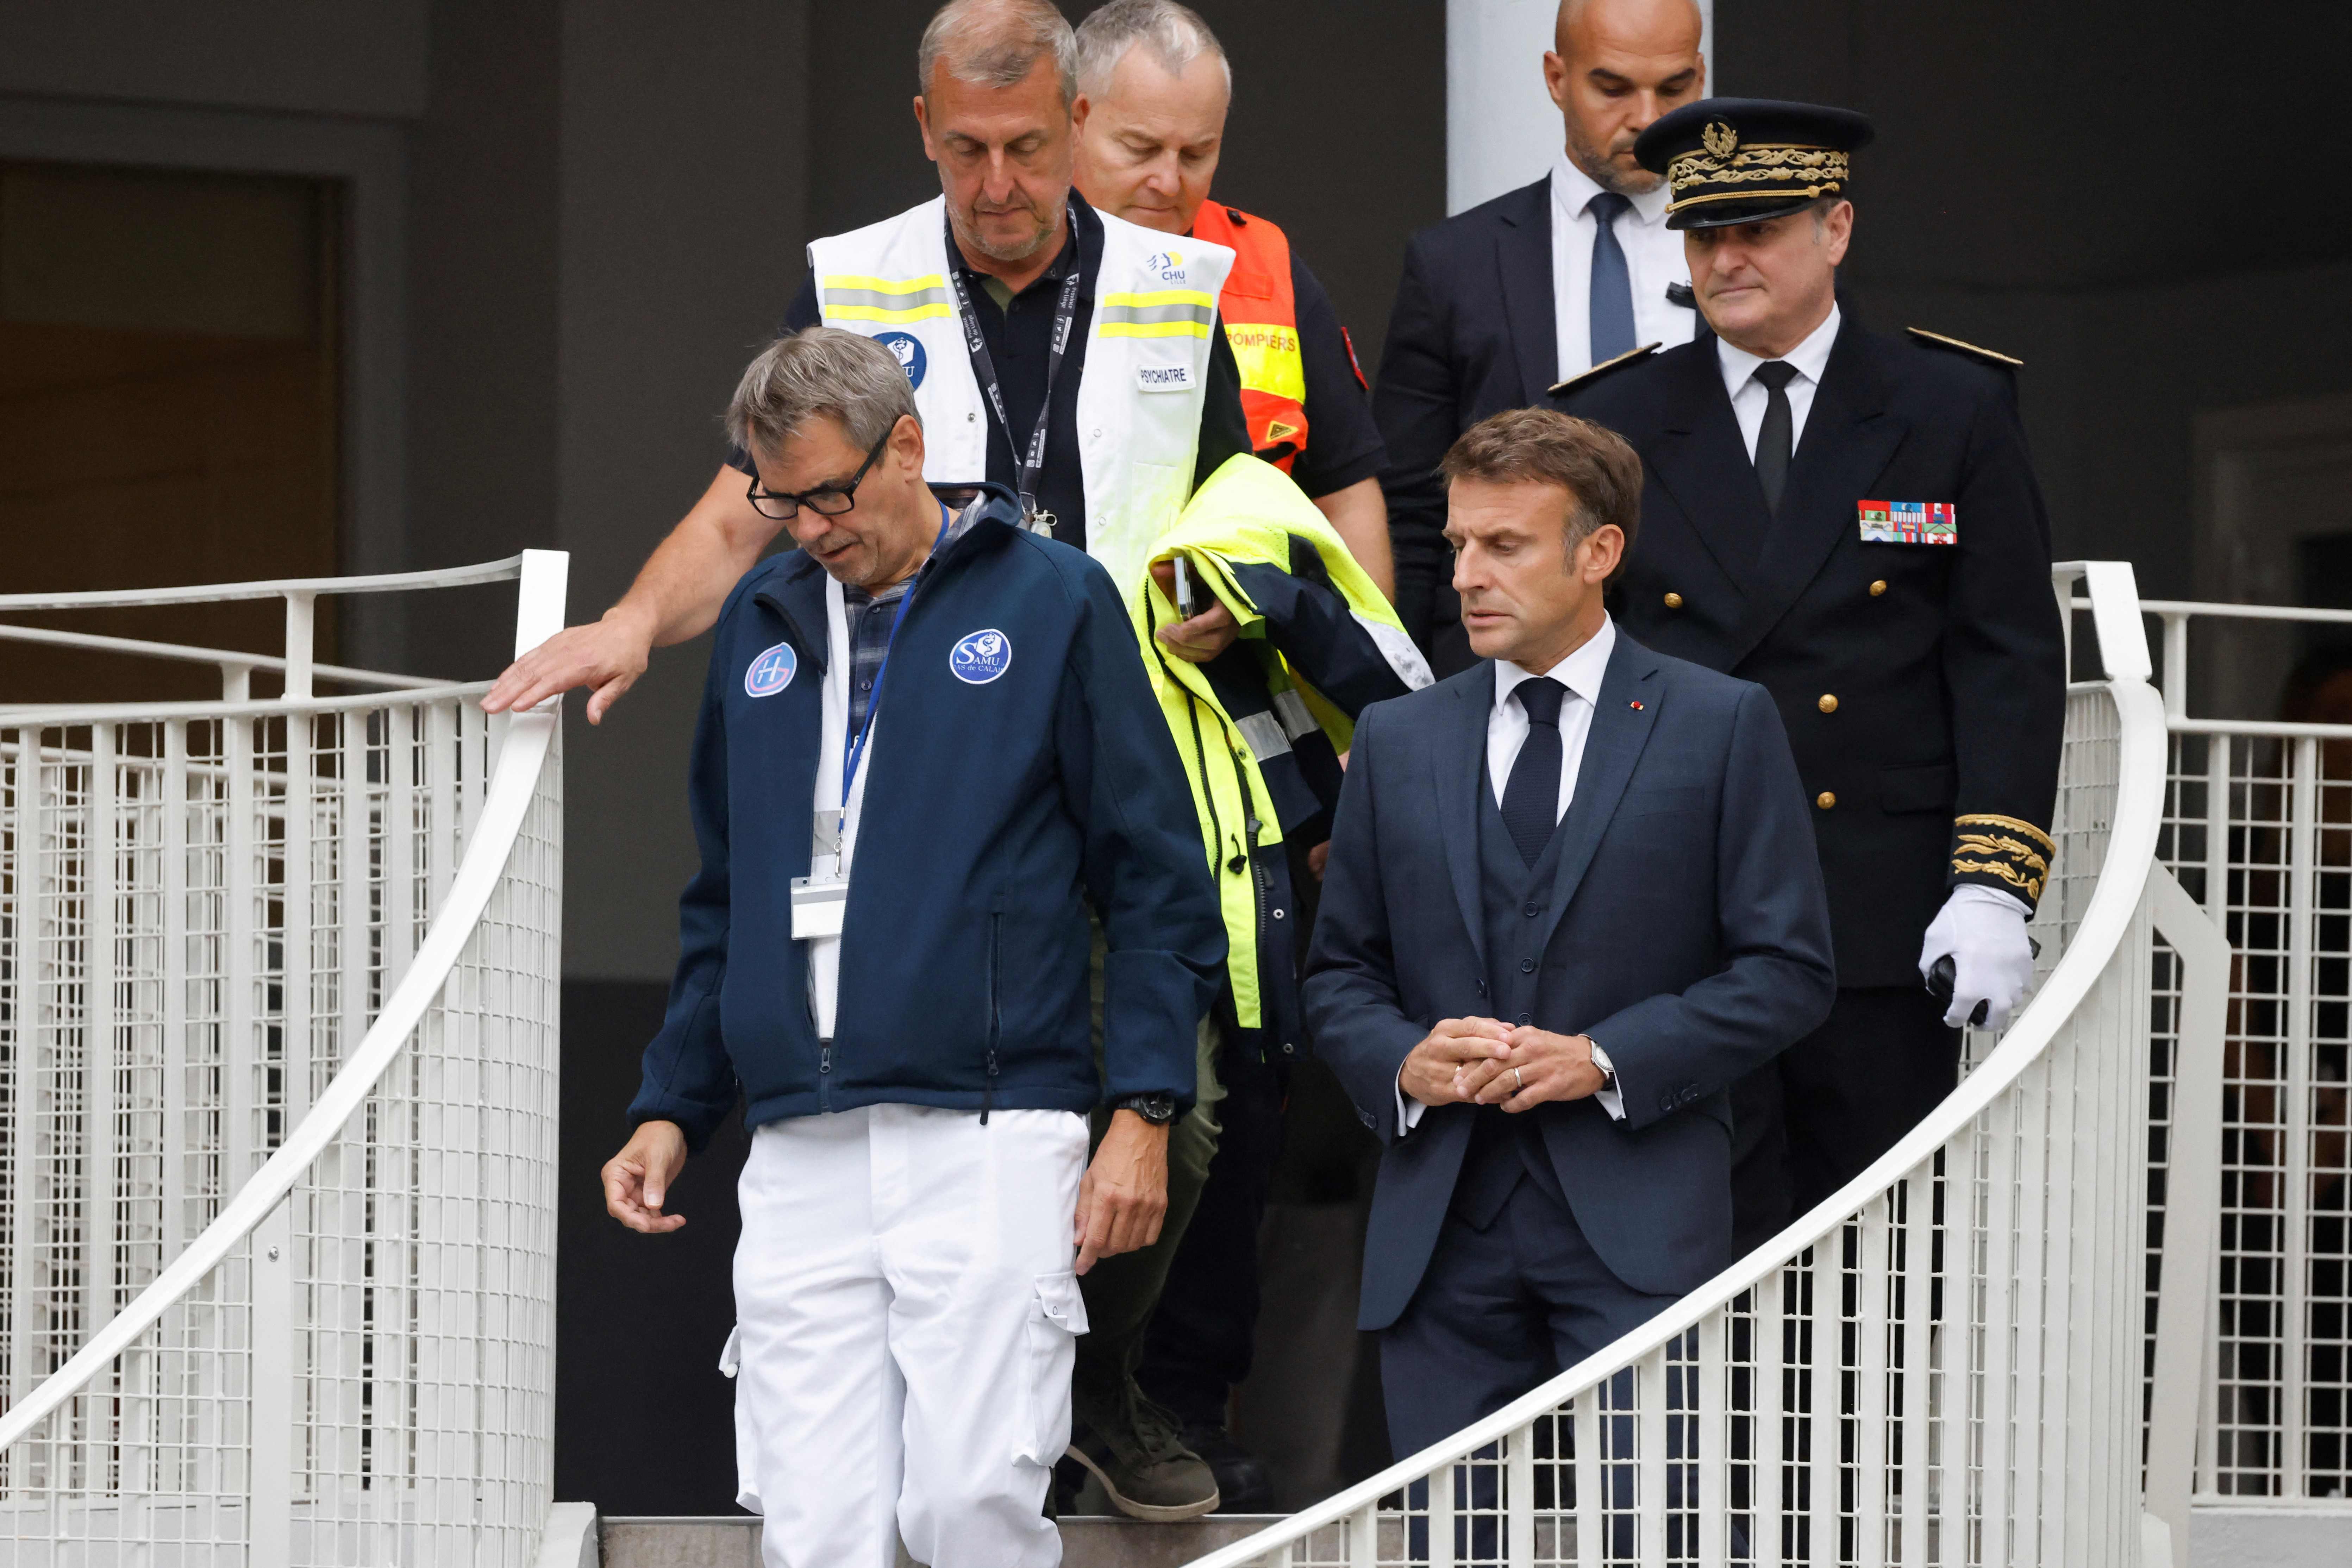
pixel 1519 1079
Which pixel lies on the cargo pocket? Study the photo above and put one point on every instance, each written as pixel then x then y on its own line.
pixel 1058 1316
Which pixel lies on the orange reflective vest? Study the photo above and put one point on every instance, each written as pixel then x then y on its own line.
pixel 1260 315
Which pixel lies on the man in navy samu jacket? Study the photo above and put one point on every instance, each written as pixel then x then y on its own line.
pixel 906 1299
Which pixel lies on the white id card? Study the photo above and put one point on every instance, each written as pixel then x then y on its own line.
pixel 818 904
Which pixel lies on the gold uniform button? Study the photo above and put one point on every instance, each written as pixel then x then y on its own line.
pixel 1878 588
pixel 1828 703
pixel 1825 800
pixel 1674 601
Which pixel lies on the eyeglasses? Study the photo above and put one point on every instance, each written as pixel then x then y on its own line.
pixel 826 500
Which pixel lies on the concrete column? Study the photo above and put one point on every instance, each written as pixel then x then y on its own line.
pixel 1501 129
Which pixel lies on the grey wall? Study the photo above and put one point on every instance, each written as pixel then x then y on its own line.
pixel 292 55
pixel 683 190
pixel 482 261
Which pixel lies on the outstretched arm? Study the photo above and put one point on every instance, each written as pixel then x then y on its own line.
pixel 678 595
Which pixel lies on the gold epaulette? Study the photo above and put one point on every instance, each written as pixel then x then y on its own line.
pixel 1630 356
pixel 2005 849
pixel 1989 356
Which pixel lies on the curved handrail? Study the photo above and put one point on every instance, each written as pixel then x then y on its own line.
pixel 504 571
pixel 511 786
pixel 2105 923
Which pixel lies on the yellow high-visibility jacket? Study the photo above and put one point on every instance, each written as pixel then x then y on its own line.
pixel 1263 726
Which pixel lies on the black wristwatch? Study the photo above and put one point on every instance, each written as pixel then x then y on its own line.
pixel 1157 1108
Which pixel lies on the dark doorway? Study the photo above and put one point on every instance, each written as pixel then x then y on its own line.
pixel 169 408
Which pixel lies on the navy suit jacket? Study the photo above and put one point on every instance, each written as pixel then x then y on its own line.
pixel 1690 937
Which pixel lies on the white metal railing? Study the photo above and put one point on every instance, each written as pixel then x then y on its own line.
pixel 1950 1360
pixel 278 1101
pixel 2258 828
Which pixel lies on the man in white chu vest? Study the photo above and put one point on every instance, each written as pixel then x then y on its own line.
pixel 1070 356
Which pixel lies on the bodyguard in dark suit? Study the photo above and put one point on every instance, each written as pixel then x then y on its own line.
pixel 1571 896
pixel 1499 302
pixel 1851 520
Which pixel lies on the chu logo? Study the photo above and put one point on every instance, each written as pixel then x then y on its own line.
pixel 910 351
pixel 772 672
pixel 1168 264
pixel 981 657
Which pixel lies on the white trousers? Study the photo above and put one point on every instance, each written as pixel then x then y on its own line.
pixel 905 1320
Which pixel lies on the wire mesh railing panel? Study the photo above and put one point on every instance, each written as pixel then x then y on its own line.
pixel 1950 1373
pixel 2259 831
pixel 200 917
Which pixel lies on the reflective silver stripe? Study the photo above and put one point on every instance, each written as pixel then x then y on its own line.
pixel 1295 716
pixel 1265 735
pixel 911 300
pixel 1398 650
pixel 1153 315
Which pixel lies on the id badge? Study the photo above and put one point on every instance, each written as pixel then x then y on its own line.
pixel 818 904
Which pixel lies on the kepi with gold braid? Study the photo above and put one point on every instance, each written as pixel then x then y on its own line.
pixel 1741 160
pixel 2001 851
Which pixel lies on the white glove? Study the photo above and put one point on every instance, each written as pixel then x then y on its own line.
pixel 1982 931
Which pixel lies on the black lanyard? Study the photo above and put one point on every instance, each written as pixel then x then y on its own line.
pixel 1028 464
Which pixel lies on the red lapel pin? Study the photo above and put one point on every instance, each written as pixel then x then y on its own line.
pixel 1637 707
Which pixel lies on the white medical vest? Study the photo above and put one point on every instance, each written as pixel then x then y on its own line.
pixel 1141 388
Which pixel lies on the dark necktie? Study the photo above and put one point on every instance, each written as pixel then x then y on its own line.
pixel 1776 437
pixel 1531 799
pixel 1609 294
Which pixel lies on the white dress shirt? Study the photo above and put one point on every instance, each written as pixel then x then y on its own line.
pixel 1748 394
pixel 1654 258
pixel 1506 732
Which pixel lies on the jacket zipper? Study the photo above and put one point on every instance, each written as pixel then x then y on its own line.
pixel 1207 790
pixel 1261 892
pixel 995 1021
pixel 824 1047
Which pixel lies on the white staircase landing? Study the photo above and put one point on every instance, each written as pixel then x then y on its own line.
pixel 1087 1542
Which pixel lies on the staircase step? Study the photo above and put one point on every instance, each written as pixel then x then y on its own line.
pixel 1087 1541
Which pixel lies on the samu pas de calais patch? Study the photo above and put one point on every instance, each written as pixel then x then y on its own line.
pixel 1908 522
pixel 772 672
pixel 981 657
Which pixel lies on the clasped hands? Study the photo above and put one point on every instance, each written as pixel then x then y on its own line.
pixel 1485 1061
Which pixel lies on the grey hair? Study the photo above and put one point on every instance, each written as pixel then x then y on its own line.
pixel 996 43
pixel 821 371
pixel 1174 37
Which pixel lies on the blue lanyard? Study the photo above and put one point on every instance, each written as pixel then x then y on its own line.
pixel 856 750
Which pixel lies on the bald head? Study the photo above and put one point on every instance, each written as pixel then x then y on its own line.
pixel 1614 66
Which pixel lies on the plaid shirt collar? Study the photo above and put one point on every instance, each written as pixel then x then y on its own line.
pixel 874 616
